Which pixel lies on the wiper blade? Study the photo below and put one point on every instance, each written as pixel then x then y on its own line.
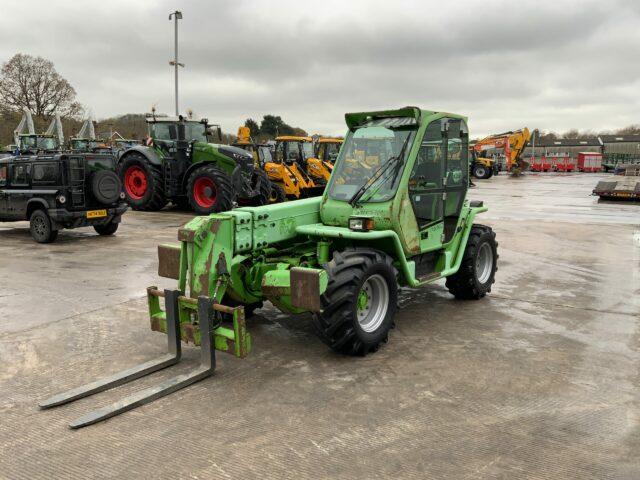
pixel 378 173
pixel 372 180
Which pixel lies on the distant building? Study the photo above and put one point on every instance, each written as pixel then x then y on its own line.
pixel 620 149
pixel 572 146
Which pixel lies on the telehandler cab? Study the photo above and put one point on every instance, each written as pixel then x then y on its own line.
pixel 394 214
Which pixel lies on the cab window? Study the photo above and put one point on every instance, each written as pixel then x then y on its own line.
pixel 425 182
pixel 165 131
pixel 3 175
pixel 20 176
pixel 45 173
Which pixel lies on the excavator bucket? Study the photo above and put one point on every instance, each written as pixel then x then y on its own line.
pixel 208 331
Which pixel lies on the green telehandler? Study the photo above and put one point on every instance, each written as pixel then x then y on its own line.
pixel 394 214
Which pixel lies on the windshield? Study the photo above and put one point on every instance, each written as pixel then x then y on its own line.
pixel 179 131
pixel 264 154
pixel 307 149
pixel 27 143
pixel 47 143
pixel 364 152
pixel 79 144
pixel 330 151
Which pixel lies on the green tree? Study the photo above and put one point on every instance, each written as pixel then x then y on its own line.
pixel 34 83
pixel 254 128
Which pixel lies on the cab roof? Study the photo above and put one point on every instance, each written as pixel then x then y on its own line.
pixel 330 140
pixel 400 117
pixel 161 118
pixel 293 138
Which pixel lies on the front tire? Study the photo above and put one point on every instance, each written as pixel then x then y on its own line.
pixel 142 183
pixel 209 190
pixel 263 184
pixel 359 305
pixel 277 193
pixel 41 228
pixel 107 229
pixel 477 271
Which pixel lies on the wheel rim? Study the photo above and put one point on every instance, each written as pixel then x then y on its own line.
pixel 372 303
pixel 204 192
pixel 135 182
pixel 484 263
pixel 39 226
pixel 480 172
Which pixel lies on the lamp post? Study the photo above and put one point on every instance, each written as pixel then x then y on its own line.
pixel 177 15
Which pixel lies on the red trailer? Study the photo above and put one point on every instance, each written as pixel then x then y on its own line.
pixel 539 164
pixel 561 162
pixel 589 162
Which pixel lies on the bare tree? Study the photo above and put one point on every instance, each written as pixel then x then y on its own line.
pixel 33 83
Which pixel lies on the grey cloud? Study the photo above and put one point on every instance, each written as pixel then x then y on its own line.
pixel 547 64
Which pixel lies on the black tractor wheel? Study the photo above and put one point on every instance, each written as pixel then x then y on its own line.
pixel 481 172
pixel 106 229
pixel 143 183
pixel 479 265
pixel 41 228
pixel 209 189
pixel 277 193
pixel 359 305
pixel 260 182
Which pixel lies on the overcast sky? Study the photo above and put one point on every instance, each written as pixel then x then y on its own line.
pixel 553 65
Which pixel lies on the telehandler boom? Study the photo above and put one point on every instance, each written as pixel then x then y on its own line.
pixel 394 214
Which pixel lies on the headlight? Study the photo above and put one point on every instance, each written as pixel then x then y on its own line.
pixel 62 198
pixel 361 224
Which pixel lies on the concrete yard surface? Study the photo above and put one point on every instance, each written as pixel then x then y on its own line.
pixel 539 380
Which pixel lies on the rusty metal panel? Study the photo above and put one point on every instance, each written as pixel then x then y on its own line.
pixel 186 235
pixel 169 261
pixel 305 289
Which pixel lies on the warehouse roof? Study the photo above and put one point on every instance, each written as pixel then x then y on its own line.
pixel 566 142
pixel 620 138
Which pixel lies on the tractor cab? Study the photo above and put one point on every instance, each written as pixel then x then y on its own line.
pixel 293 149
pixel 88 145
pixel 176 135
pixel 34 143
pixel 402 170
pixel 261 153
pixel 289 168
pixel 327 149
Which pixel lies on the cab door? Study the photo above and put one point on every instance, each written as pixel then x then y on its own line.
pixel 19 192
pixel 456 175
pixel 4 175
pixel 426 185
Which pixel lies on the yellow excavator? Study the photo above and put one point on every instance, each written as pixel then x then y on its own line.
pixel 262 157
pixel 321 165
pixel 289 167
pixel 512 143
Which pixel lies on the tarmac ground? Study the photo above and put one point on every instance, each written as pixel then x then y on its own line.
pixel 539 380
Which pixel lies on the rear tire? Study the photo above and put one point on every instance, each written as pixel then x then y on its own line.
pixel 359 305
pixel 107 229
pixel 210 191
pixel 41 228
pixel 142 183
pixel 477 271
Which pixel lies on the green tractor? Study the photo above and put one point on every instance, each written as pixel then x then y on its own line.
pixel 178 164
pixel 394 214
